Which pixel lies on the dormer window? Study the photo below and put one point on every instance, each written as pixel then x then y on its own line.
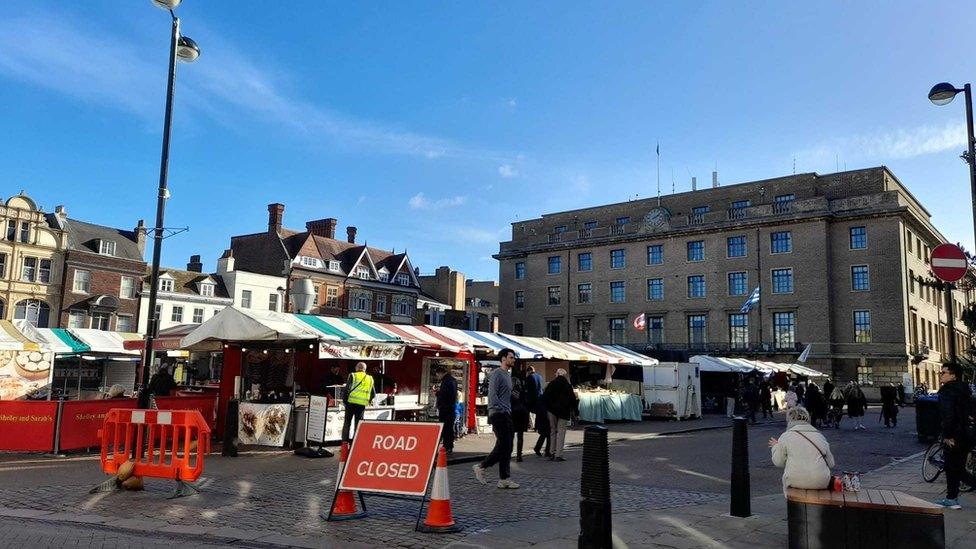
pixel 165 285
pixel 207 290
pixel 309 261
pixel 334 266
pixel 384 277
pixel 106 247
pixel 362 272
pixel 403 279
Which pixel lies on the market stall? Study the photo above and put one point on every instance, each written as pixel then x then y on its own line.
pixel 26 366
pixel 719 375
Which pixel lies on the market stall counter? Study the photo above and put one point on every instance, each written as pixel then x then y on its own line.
pixel 600 405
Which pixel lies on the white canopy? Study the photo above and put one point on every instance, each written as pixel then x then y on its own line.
pixel 233 324
pixel 101 341
pixel 741 365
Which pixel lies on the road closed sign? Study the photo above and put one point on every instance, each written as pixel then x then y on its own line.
pixel 392 457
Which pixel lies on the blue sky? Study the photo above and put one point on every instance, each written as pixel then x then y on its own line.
pixel 433 126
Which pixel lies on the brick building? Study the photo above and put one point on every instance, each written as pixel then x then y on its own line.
pixel 102 274
pixel 838 256
pixel 350 279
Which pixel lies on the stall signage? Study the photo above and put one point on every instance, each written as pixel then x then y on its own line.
pixel 360 352
pixel 81 420
pixel 263 424
pixel 317 408
pixel 336 416
pixel 27 426
pixel 392 457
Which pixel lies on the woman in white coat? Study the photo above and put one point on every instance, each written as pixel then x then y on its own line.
pixel 802 452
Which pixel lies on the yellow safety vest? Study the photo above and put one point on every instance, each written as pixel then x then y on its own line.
pixel 362 388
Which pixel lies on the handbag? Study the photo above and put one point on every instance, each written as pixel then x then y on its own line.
pixel 834 484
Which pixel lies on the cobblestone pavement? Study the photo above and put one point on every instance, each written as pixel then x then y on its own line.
pixel 18 532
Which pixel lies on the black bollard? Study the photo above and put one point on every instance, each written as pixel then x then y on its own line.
pixel 741 499
pixel 229 447
pixel 595 525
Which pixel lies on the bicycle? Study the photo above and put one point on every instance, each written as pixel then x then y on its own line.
pixel 933 463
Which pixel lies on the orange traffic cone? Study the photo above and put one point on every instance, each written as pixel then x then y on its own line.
pixel 344 503
pixel 439 517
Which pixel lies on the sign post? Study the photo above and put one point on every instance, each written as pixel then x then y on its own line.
pixel 949 264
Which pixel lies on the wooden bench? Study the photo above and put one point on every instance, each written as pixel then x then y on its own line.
pixel 862 520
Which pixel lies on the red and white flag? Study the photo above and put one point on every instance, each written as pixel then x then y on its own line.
pixel 640 322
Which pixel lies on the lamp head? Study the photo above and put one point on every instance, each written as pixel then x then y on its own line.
pixel 942 93
pixel 167 4
pixel 187 50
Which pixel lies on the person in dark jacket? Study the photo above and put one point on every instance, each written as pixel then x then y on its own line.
pixel 955 407
pixel 765 399
pixel 520 410
pixel 828 389
pixel 816 404
pixel 447 407
pixel 162 383
pixel 856 404
pixel 562 405
pixel 751 397
pixel 889 405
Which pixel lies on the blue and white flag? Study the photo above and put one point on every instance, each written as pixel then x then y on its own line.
pixel 751 302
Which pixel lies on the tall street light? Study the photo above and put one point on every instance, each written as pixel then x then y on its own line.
pixel 943 94
pixel 184 49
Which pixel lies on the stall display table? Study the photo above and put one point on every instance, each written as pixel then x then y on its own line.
pixel 599 407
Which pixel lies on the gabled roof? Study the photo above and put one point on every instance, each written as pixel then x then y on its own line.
pixel 84 237
pixel 187 282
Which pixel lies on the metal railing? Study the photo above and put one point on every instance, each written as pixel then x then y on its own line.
pixel 736 213
pixel 783 207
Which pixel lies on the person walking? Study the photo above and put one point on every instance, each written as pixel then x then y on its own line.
pixel 955 407
pixel 359 393
pixel 447 407
pixel 856 404
pixel 766 399
pixel 828 388
pixel 500 417
pixel 889 405
pixel 730 397
pixel 520 410
pixel 562 405
pixel 836 401
pixel 751 397
pixel 816 405
pixel 790 398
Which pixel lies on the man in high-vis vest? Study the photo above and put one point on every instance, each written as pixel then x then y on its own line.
pixel 359 393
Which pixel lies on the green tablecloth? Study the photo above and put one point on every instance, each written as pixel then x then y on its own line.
pixel 596 408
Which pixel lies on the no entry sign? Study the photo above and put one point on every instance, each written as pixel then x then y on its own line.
pixel 949 263
pixel 392 457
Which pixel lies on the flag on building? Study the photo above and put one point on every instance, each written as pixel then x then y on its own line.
pixel 805 354
pixel 751 302
pixel 640 322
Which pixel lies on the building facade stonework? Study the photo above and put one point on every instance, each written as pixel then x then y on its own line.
pixel 835 257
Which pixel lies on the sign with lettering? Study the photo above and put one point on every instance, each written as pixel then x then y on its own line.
pixel 377 351
pixel 392 457
pixel 27 426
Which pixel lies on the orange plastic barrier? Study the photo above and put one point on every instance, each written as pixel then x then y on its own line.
pixel 162 441
pixel 206 403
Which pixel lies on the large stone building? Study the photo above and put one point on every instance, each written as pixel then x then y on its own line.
pixel 481 305
pixel 836 257
pixel 350 279
pixel 31 263
pixel 103 271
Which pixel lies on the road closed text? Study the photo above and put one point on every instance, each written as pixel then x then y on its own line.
pixel 390 470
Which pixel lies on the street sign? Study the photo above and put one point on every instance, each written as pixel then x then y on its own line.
pixel 949 263
pixel 392 457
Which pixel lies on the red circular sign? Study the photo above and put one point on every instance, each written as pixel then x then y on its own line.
pixel 949 263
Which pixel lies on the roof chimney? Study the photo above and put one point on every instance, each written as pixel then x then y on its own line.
pixel 322 227
pixel 140 231
pixel 195 265
pixel 276 212
pixel 694 183
pixel 226 262
pixel 351 234
pixel 714 180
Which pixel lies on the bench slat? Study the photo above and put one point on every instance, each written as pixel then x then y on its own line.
pixel 865 499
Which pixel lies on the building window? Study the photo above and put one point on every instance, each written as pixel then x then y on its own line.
pixel 24 231
pixel 403 306
pixel 518 329
pixel 207 290
pixel 859 238
pixel 82 281
pixel 306 261
pixel 699 210
pixel 617 292
pixel 583 329
pixel 127 287
pixel 618 330
pixel 273 302
pixel 696 250
pixel 159 312
pixel 11 230
pixel 519 270
pixel 197 315
pixel 29 272
pixel 362 273
pixel 165 285
pixel 655 289
pixel 589 225
pixel 862 326
pixel 101 321
pixel 782 281
pixel 696 286
pixel 783 198
pixel 555 264
pixel 860 279
pixel 332 297
pixel 106 247
pixel 781 242
pixel 618 259
pixel 738 284
pixel 738 331
pixel 908 240
pixel 519 299
pixel 177 314
pixel 784 330
pixel 623 221
pixel 655 330
pixel 334 266
pixel 381 304
pixel 740 204
pixel 585 262
pixel 585 293
pixel 865 376
pixel 362 301
pixel 123 323
pixel 76 319
pixel 697 329
pixel 736 246
pixel 34 311
pixel 384 277
pixel 246 299
pixel 44 272
pixel 553 295
pixel 552 329
pixel 655 254
pixel 3 265
pixel 403 279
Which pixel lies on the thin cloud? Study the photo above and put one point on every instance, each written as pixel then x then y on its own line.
pixel 421 202
pixel 508 171
pixel 894 144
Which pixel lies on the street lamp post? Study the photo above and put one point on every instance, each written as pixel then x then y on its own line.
pixel 943 94
pixel 185 49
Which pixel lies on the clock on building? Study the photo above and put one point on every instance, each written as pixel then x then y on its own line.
pixel 658 219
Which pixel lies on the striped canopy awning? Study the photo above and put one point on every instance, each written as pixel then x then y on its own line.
pixel 347 329
pixel 631 357
pixel 12 339
pixel 420 336
pixel 100 341
pixel 490 342
pixel 58 340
